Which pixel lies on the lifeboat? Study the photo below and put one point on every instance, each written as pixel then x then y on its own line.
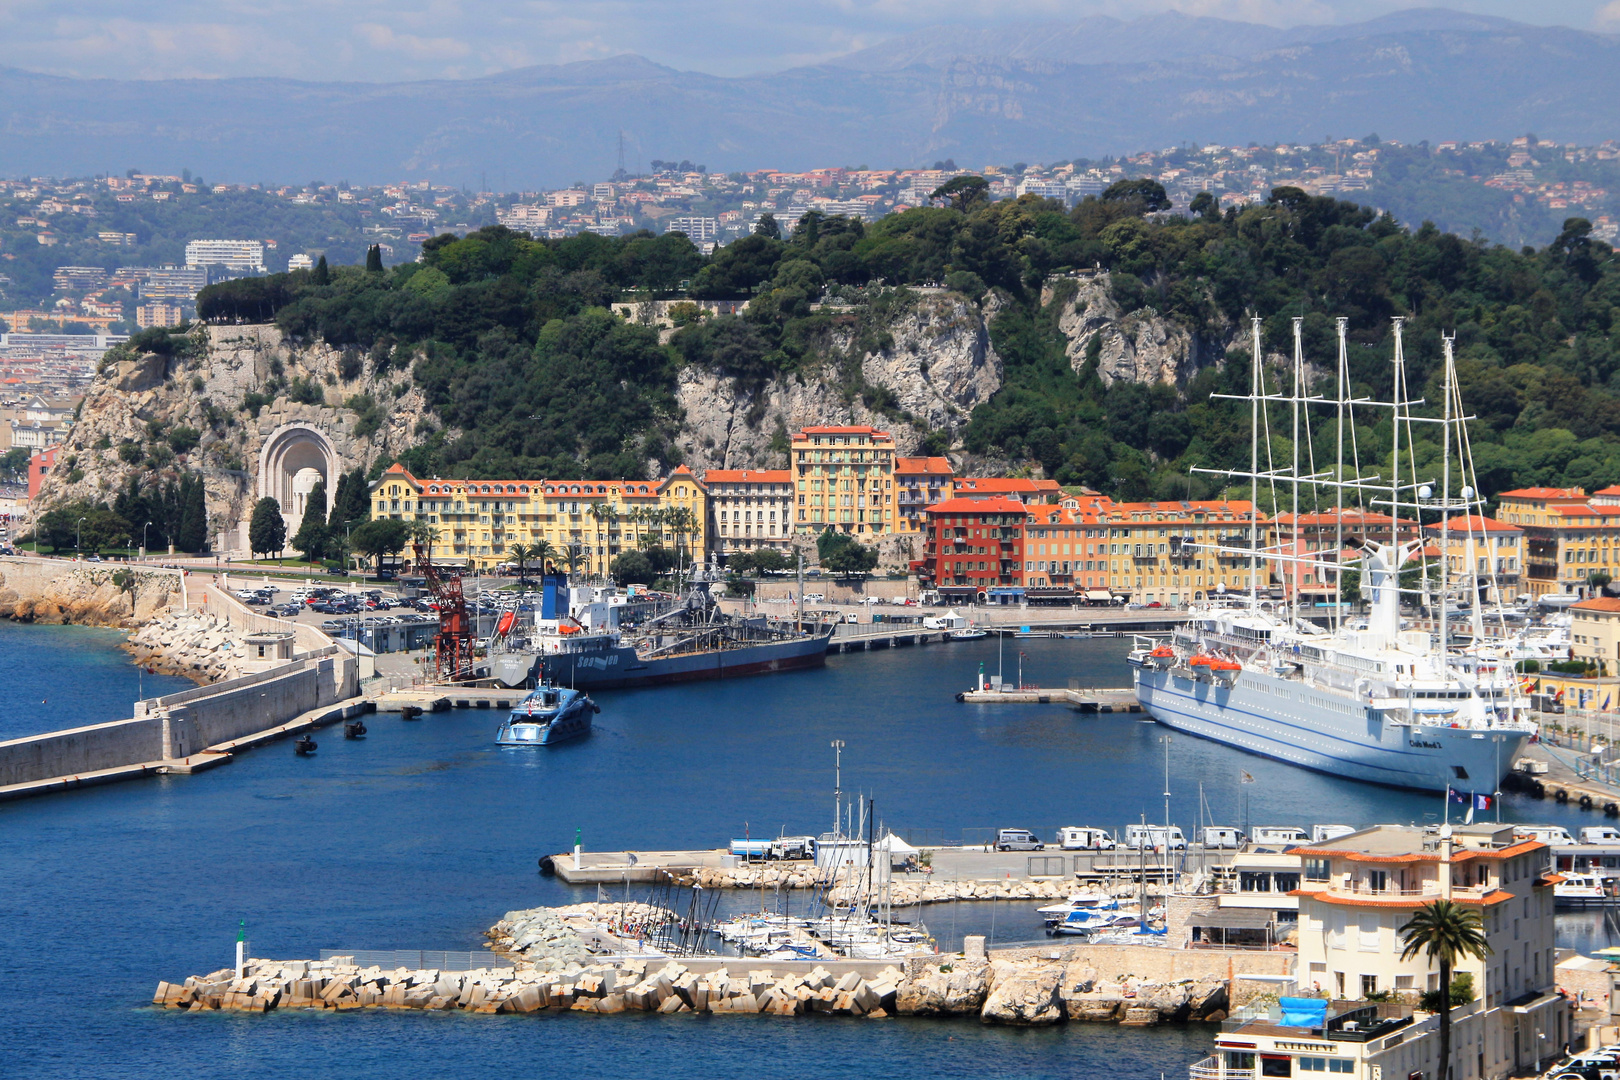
pixel 1200 666
pixel 1225 672
pixel 504 627
pixel 1162 656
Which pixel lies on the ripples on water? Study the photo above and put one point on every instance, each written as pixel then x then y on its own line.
pixel 425 833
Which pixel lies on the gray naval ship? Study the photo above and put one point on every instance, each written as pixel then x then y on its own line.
pixel 594 639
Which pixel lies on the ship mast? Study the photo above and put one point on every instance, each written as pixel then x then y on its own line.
pixel 1255 388
pixel 1338 488
pixel 1299 393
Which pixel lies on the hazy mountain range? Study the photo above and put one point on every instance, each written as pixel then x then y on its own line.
pixel 1036 92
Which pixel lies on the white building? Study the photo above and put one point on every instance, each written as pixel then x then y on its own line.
pixel 1354 1008
pixel 300 262
pixel 233 254
pixel 699 230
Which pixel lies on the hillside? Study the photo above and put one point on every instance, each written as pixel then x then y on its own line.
pixel 1082 345
pixel 1031 93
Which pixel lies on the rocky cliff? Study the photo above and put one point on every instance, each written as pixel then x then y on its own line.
pixel 49 591
pixel 233 386
pixel 1134 346
pixel 932 361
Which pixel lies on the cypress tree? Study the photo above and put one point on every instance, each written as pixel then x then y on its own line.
pixel 374 259
pixel 311 536
pixel 266 531
pixel 323 274
pixel 193 534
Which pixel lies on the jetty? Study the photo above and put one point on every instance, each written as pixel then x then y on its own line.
pixel 1090 699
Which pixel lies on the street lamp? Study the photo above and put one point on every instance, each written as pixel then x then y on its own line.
pixel 144 527
pixel 77 535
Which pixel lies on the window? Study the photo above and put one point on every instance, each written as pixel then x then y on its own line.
pixel 1276 1066
pixel 1369 985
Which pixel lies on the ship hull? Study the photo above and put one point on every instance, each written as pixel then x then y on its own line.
pixel 620 668
pixel 1288 721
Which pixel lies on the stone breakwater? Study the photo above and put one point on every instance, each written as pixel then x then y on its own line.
pixel 554 970
pixel 902 891
pixel 51 592
pixel 193 644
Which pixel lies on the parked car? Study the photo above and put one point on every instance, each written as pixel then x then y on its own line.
pixel 1018 840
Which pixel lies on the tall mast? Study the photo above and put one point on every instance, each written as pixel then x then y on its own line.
pixel 1395 472
pixel 1338 491
pixel 1299 381
pixel 1255 386
pixel 1445 507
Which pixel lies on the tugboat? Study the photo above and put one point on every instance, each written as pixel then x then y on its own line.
pixel 550 714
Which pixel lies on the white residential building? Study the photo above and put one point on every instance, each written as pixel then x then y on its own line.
pixel 699 230
pixel 233 254
pixel 1354 1008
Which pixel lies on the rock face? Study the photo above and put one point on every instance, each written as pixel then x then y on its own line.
pixel 936 362
pixel 90 596
pixel 1024 993
pixel 1138 346
pixel 134 398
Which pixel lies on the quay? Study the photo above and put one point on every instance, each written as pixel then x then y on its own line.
pixel 1113 700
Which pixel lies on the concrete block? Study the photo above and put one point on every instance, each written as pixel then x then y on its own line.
pixel 672 1004
pixel 848 982
pixel 864 997
pixel 779 1004
pixel 610 1003
pixel 439 1001
pixel 844 1002
pixel 973 947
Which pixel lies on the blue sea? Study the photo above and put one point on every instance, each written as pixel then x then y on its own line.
pixel 425 833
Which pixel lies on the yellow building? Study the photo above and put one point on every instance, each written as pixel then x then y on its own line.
pixel 1484 555
pixel 1594 632
pixel 1568 537
pixel 844 479
pixel 479 520
pixel 920 482
pixel 1144 564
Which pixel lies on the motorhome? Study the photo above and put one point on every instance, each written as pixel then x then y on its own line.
pixel 1221 836
pixel 1155 836
pixel 1082 838
pixel 1600 834
pixel 1320 833
pixel 1546 834
pixel 1279 835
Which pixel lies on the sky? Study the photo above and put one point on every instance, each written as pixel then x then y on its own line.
pixel 385 40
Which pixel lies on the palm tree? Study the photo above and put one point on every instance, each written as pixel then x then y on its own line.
pixel 523 555
pixel 541 552
pixel 599 512
pixel 421 532
pixel 1446 932
pixel 574 556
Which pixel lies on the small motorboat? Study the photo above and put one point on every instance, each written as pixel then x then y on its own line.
pixel 304 746
pixel 549 714
pixel 968 633
pixel 354 729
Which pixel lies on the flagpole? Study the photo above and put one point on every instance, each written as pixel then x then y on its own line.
pixel 1448 804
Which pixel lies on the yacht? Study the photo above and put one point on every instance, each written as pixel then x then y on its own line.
pixel 1376 700
pixel 548 715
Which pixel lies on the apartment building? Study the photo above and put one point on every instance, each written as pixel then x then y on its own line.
pixel 920 482
pixel 1355 1006
pixel 171 283
pixel 1594 632
pixel 844 479
pixel 749 509
pixel 159 313
pixel 1007 487
pixel 1311 544
pixel 1484 556
pixel 1173 552
pixel 232 254
pixel 479 520
pixel 699 230
pixel 1568 536
pixel 975 547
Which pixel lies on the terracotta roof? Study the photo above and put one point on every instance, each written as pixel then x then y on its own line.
pixel 1583 510
pixel 1466 523
pixel 748 476
pixel 979 506
pixel 840 431
pixel 1490 899
pixel 923 465
pixel 1004 483
pixel 1612 489
pixel 1544 493
pixel 1598 603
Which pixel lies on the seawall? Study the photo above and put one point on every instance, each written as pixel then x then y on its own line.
pixel 87 594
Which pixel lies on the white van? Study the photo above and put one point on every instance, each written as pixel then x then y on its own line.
pixel 1547 834
pixel 1600 834
pixel 1082 838
pixel 1154 836
pixel 1219 836
pixel 1319 833
pixel 1279 835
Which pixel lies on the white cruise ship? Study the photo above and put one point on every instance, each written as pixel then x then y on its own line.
pixel 1369 700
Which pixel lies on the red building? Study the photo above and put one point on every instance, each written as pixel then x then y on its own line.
pixel 38 466
pixel 974 546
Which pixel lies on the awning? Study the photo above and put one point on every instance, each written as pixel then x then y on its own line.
pixel 1102 596
pixel 1234 919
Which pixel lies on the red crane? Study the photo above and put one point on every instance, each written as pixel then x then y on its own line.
pixel 453 648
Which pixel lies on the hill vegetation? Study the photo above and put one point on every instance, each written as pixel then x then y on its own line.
pixel 512 342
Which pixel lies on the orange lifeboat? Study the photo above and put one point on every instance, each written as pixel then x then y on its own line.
pixel 1202 661
pixel 504 627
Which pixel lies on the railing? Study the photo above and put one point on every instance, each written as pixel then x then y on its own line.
pixel 1213 1068
pixel 1361 889
pixel 419 959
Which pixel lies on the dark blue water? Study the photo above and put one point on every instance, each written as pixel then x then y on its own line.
pixel 424 834
pixel 55 677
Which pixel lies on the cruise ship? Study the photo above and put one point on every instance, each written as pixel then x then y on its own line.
pixel 1372 700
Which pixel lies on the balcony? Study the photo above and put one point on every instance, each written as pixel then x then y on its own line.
pixel 1214 1067
pixel 1427 890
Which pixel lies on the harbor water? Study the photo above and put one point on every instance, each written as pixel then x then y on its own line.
pixel 426 832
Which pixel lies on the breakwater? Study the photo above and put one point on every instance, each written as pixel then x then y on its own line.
pixel 1121 983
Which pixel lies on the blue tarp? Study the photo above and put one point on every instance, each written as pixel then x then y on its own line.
pixel 1303 1012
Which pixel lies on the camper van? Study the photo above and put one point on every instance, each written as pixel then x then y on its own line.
pixel 1155 836
pixel 1547 834
pixel 1600 834
pixel 1279 835
pixel 1321 833
pixel 1220 836
pixel 1081 838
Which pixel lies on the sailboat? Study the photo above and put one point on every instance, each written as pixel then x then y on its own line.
pixel 1376 701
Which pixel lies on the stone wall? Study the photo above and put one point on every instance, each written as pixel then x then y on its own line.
pixel 89 594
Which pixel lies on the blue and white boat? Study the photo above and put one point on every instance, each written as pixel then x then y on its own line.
pixel 550 714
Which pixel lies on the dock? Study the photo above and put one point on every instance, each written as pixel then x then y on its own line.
pixel 1083 699
pixel 440 698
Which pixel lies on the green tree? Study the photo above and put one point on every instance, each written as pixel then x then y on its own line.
pixel 523 555
pixel 632 567
pixel 374 263
pixel 14 464
pixel 741 562
pixel 1146 196
pixel 191 529
pixel 424 533
pixel 102 529
pixel 384 536
pixel 1445 932
pixel 323 273
pixel 771 561
pixel 767 227
pixel 311 536
pixel 267 532
pixel 843 554
pixel 965 193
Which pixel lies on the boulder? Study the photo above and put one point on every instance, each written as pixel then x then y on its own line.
pixel 945 989
pixel 1024 994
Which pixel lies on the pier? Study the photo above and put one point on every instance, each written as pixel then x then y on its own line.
pixel 1084 699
